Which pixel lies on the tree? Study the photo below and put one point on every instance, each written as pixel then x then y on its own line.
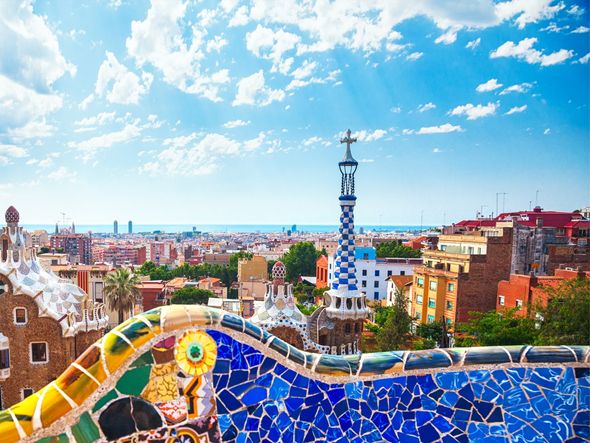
pixel 121 291
pixel 300 260
pixel 396 249
pixel 191 296
pixel 566 318
pixel 147 268
pixel 44 250
pixel 431 333
pixel 395 333
pixel 496 329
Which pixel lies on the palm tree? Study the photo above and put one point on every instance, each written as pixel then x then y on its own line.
pixel 121 291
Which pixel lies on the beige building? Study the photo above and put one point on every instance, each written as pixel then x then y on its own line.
pixel 255 268
pixel 255 289
pixel 47 260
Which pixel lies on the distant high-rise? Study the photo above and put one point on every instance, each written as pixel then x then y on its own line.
pixel 130 227
pixel 116 227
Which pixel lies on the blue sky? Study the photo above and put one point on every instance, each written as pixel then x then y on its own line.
pixel 230 112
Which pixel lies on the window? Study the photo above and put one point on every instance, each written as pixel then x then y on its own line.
pixel 377 273
pixel 420 282
pixel 389 273
pixel 430 318
pixel 98 294
pixel 376 295
pixel 470 250
pixel 432 286
pixel 418 316
pixel 356 328
pixel 20 316
pixel 450 305
pixel 431 303
pixel 364 283
pixel 364 272
pixel 418 299
pixel 39 352
pixel 443 247
pixel 347 328
pixel 376 284
pixel 449 321
pixel 519 303
pixel 451 287
pixel 402 272
pixel 501 300
pixel 4 359
pixel 26 392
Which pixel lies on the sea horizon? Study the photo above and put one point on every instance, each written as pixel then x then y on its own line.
pixel 221 228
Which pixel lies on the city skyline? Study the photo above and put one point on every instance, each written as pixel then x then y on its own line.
pixel 233 111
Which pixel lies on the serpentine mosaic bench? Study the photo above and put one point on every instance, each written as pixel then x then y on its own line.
pixel 195 374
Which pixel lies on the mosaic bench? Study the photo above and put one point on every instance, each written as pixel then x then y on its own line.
pixel 195 374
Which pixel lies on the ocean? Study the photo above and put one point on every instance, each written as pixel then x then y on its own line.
pixel 217 228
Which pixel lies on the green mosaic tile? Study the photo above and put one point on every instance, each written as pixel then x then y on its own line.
pixel 61 438
pixel 111 395
pixel 145 359
pixel 85 431
pixel 134 380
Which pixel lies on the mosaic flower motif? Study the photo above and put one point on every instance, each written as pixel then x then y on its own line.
pixel 195 352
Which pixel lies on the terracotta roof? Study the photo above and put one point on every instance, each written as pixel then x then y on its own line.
pixel 400 280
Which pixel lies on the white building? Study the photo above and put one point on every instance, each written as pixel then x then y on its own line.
pixel 372 272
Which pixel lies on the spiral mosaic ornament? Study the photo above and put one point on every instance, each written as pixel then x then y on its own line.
pixel 195 352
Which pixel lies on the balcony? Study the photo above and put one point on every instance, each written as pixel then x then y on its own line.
pixel 436 272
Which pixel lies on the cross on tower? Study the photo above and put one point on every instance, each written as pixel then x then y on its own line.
pixel 348 140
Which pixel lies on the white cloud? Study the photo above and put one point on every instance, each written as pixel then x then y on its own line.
pixel 414 56
pixel 216 43
pixel 240 18
pixel 265 43
pixel 575 10
pixel 98 120
pixel 488 86
pixel 315 140
pixel 437 150
pixel 253 91
pixel 473 112
pixel 367 160
pixel 552 27
pixel 442 129
pixel 119 84
pixel 517 109
pixel 426 107
pixel 30 63
pixel 87 100
pixel 528 11
pixel 584 59
pixel 236 123
pixel 159 40
pixel 305 70
pixel 547 131
pixel 520 88
pixel 581 30
pixel 186 157
pixel 62 173
pixel 473 43
pixel 524 51
pixel 33 129
pixel 9 152
pixel 368 136
pixel 448 37
pixel 396 109
pixel 90 147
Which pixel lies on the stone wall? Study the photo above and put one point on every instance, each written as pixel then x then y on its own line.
pixel 190 373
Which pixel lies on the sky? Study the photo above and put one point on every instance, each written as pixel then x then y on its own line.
pixel 178 111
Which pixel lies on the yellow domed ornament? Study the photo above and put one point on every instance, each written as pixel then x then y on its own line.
pixel 195 352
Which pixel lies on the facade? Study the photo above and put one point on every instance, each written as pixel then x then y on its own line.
pixel 39 238
pixel 373 272
pixel 153 294
pixel 52 259
pixel 119 254
pixel 214 285
pixel 401 283
pixel 462 275
pixel 45 322
pixel 321 272
pixel 254 268
pixel 525 292
pixel 77 246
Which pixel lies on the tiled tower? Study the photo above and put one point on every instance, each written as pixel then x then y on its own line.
pixel 345 306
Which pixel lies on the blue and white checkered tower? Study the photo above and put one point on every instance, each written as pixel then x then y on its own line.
pixel 344 299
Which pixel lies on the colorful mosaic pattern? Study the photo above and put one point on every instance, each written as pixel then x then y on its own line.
pixel 345 270
pixel 194 374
